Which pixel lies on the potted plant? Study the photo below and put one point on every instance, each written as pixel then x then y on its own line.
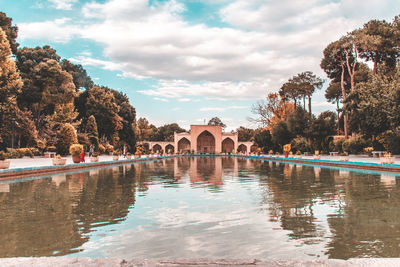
pixel 271 152
pixel 110 149
pixel 115 155
pixel 286 149
pixel 75 150
pixel 129 156
pixel 387 158
pixel 138 154
pixel 298 154
pixel 368 150
pixel 94 157
pixel 344 157
pixel 58 160
pixel 316 155
pixel 4 161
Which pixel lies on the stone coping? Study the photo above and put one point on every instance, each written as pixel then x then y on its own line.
pixel 16 173
pixel 70 261
pixel 333 163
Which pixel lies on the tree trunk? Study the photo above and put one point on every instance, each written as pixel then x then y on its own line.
pixel 346 134
pixel 309 104
pixel 304 102
pixel 338 116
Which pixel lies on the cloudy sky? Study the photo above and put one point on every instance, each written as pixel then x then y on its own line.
pixel 189 61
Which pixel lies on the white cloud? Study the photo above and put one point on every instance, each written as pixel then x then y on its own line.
pixel 62 4
pixel 161 99
pixel 268 43
pixel 223 109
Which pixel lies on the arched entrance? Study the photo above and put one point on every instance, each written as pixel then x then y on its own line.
pixel 184 145
pixel 228 146
pixel 206 143
pixel 169 149
pixel 253 148
pixel 242 148
pixel 156 148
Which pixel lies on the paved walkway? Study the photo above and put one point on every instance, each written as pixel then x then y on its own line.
pixel 27 162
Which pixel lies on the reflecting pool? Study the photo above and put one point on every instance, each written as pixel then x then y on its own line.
pixel 196 207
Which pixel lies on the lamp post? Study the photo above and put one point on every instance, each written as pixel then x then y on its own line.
pixel 12 135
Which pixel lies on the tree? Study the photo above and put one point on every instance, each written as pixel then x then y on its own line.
pixel 298 122
pixel 320 129
pixel 217 121
pixel 10 86
pixel 10 31
pixel 281 134
pixel 378 42
pixel 91 130
pixel 80 77
pixel 334 95
pixel 66 137
pixel 245 134
pixel 166 132
pixel 144 129
pixel 307 83
pixel 100 103
pixel 263 139
pixel 272 111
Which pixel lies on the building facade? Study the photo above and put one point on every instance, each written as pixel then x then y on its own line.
pixel 209 139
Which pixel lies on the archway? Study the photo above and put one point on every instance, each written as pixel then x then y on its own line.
pixel 156 148
pixel 184 145
pixel 228 146
pixel 242 148
pixel 206 143
pixel 253 148
pixel 169 149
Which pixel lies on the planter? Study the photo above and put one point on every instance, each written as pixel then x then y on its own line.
pixel 128 156
pixel 137 156
pixel 286 154
pixel 298 156
pixel 344 158
pixel 317 157
pixel 57 161
pixel 115 157
pixel 76 159
pixel 387 160
pixel 4 164
pixel 94 159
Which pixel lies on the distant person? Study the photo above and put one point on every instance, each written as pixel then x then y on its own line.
pixel 91 150
pixel 83 156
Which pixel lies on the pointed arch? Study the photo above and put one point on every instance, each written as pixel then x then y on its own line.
pixel 184 145
pixel 206 142
pixel 228 145
pixel 169 149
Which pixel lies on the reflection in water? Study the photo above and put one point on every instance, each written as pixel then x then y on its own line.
pixel 207 207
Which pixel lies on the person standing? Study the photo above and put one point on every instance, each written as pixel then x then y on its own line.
pixel 91 150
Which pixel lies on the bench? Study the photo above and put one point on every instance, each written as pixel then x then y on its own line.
pixel 49 154
pixel 377 154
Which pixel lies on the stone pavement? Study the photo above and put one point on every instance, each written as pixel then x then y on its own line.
pixel 41 161
pixel 68 261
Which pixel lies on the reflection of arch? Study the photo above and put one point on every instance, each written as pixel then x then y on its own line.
pixel 228 145
pixel 157 148
pixel 184 145
pixel 169 149
pixel 206 142
pixel 242 148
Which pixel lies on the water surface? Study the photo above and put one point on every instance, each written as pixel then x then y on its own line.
pixel 214 207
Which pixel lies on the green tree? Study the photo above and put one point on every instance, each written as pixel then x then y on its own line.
pixel 166 132
pixel 80 77
pixel 91 130
pixel 281 134
pixel 245 134
pixel 263 139
pixel 66 137
pixel 10 31
pixel 217 121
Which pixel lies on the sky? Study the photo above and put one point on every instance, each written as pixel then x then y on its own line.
pixel 189 61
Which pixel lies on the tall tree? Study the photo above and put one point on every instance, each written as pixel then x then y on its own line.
pixel 217 121
pixel 333 94
pixel 306 84
pixel 79 75
pixel 245 134
pixel 10 31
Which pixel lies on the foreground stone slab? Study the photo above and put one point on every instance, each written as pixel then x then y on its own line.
pixel 66 261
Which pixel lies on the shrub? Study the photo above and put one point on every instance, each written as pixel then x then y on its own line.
pixel 109 148
pixel 3 155
pixel 102 149
pixel 95 154
pixel 354 145
pixel 51 148
pixel 115 153
pixel 83 139
pixel 390 141
pixel 66 137
pixel 35 151
pixel 300 144
pixel 75 149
